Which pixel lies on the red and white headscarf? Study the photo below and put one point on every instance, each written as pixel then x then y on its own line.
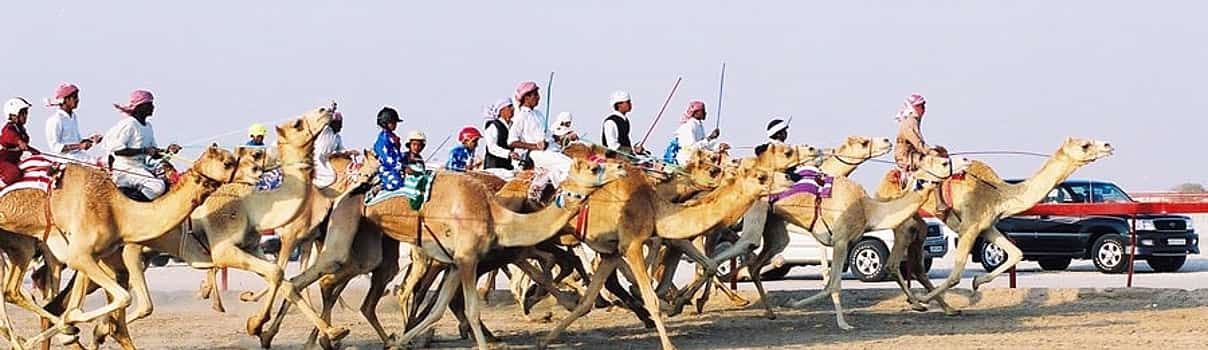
pixel 64 90
pixel 137 97
pixel 907 109
pixel 695 105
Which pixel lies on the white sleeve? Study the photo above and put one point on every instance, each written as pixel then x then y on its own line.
pixel 686 135
pixel 492 144
pixel 515 133
pixel 117 138
pixel 54 133
pixel 611 134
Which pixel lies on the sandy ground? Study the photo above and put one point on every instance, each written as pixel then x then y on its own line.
pixel 998 318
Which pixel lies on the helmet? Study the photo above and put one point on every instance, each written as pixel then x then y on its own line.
pixel 257 130
pixel 15 105
pixel 468 133
pixel 416 136
pixel 387 115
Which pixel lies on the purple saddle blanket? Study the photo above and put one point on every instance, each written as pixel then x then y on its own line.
pixel 812 182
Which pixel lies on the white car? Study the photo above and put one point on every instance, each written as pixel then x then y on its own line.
pixel 866 260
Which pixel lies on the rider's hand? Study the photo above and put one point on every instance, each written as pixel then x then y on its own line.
pixel 514 155
pixel 723 147
pixel 715 134
pixel 174 148
pixel 151 152
pixel 86 144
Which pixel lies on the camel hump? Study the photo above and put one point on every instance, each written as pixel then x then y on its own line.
pixel 984 172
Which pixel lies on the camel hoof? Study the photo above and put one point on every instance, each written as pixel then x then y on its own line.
pixel 335 334
pixel 218 308
pixel 700 306
pixel 602 303
pixel 953 313
pixel 920 307
pixel 247 296
pixel 846 327
pixel 463 331
pixel 255 326
pixel 73 316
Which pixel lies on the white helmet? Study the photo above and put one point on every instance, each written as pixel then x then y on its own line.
pixel 618 97
pixel 15 105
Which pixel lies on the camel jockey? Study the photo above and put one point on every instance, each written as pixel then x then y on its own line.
pixel 329 143
pixel 616 125
pixel 388 150
pixel 499 153
pixel 910 146
pixel 63 129
pixel 563 132
pixel 132 147
pixel 528 133
pixel 691 136
pixel 778 133
pixel 256 134
pixel 14 140
pixel 461 157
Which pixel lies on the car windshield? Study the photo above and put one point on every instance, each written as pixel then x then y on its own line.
pixel 1102 192
pixel 1094 192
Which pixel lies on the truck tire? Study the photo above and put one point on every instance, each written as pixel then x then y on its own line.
pixel 1055 264
pixel 991 256
pixel 160 260
pixel 867 260
pixel 1166 263
pixel 1109 255
pixel 776 274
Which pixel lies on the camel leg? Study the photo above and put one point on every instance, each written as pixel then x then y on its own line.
pixel 132 259
pixel 488 285
pixel 83 261
pixel 903 243
pixel 469 278
pixel 330 288
pixel 833 284
pixel 1014 255
pixel 381 276
pixel 20 258
pixel 669 264
pixel 967 236
pixel 7 331
pixel 776 237
pixel 919 271
pixel 633 257
pixel 606 268
pixel 567 300
pixel 703 262
pixel 215 294
pixel 445 295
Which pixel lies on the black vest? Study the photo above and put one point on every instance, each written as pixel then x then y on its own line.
pixel 622 132
pixel 501 139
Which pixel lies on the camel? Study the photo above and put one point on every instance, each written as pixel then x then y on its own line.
pixel 627 213
pixel 461 223
pixel 95 217
pixel 982 198
pixel 841 161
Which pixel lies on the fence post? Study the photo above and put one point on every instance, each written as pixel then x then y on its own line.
pixel 1132 233
pixel 734 274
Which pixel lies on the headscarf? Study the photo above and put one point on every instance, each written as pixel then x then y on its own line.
pixel 137 97
pixel 492 111
pixel 64 90
pixel 560 130
pixel 907 109
pixel 524 88
pixel 777 125
pixel 695 105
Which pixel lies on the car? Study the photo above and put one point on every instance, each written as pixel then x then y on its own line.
pixel 866 258
pixel 1164 241
pixel 270 245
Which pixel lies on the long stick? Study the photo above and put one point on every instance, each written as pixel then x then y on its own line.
pixel 660 115
pixel 549 93
pixel 438 147
pixel 721 88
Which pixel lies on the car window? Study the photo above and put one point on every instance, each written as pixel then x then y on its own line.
pixel 1108 193
pixel 1057 195
pixel 1077 194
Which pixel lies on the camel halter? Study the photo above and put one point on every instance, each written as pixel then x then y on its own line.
pixel 843 159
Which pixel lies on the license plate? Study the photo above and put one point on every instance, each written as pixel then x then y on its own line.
pixel 1176 241
pixel 935 249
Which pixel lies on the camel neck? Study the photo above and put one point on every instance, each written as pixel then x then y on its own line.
pixel 169 209
pixel 272 209
pixel 1024 195
pixel 525 230
pixel 722 205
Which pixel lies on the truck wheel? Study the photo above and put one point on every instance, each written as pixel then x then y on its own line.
pixel 867 260
pixel 1109 255
pixel 992 256
pixel 1166 263
pixel 160 260
pixel 776 273
pixel 1055 264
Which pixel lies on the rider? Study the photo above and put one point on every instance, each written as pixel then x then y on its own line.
pixel 616 125
pixel 778 133
pixel 131 144
pixel 499 153
pixel 14 140
pixel 413 160
pixel 563 132
pixel 461 157
pixel 62 128
pixel 256 134
pixel 910 146
pixel 691 134
pixel 528 133
pixel 329 143
pixel 388 151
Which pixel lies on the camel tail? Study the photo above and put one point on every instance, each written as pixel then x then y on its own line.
pixel 889 214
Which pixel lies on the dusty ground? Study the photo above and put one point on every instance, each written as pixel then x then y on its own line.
pixel 998 318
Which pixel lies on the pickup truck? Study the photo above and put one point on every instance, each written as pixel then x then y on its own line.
pixel 866 258
pixel 1164 241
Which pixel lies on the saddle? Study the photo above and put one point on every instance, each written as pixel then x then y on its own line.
pixel 812 182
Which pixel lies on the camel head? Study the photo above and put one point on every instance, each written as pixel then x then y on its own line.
pixel 300 133
pixel 586 151
pixel 761 181
pixel 935 168
pixel 780 157
pixel 252 163
pixel 856 149
pixel 704 168
pixel 216 165
pixel 1083 151
pixel 589 174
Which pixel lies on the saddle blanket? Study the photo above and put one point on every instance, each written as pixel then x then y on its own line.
pixel 417 188
pixel 35 173
pixel 812 182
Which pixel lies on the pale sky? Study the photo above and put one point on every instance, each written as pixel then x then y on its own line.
pixel 998 75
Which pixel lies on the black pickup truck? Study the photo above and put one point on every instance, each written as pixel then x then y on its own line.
pixel 1163 241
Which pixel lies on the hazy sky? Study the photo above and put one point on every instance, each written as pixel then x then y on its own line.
pixel 999 75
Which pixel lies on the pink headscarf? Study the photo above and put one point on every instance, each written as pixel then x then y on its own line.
pixel 695 105
pixel 137 97
pixel 907 109
pixel 64 90
pixel 524 88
